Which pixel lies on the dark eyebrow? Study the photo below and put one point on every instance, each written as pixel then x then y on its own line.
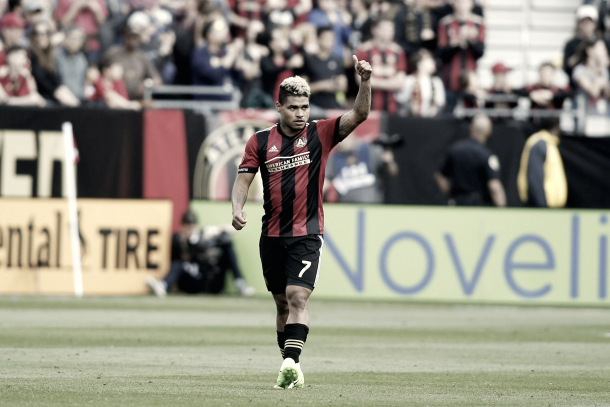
pixel 295 106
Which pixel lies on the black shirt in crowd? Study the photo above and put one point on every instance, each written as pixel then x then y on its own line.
pixel 316 70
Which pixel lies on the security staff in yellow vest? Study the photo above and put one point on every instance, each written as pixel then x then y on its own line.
pixel 542 180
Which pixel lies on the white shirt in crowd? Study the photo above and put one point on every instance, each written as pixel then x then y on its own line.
pixel 419 94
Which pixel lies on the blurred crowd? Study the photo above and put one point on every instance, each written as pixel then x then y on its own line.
pixel 424 53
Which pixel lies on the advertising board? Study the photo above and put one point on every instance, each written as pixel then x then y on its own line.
pixel 122 241
pixel 447 253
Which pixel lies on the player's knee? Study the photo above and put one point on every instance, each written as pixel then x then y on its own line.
pixel 298 301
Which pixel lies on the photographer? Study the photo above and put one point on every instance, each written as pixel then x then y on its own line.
pixel 200 259
pixel 357 171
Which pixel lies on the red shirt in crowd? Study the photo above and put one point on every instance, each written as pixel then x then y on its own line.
pixel 15 85
pixel 456 59
pixel 385 63
pixel 102 86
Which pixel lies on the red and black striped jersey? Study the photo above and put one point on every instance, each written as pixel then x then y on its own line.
pixel 292 169
pixel 455 58
pixel 386 63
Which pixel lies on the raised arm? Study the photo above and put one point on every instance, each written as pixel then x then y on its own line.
pixel 362 105
pixel 239 196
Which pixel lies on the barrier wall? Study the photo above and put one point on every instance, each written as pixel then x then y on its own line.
pixel 122 241
pixel 448 254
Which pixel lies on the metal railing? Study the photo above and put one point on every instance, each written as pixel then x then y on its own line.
pixel 185 97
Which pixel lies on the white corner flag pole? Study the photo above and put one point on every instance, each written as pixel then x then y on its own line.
pixel 70 183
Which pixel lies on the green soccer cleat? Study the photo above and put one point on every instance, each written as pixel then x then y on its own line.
pixel 288 376
pixel 300 382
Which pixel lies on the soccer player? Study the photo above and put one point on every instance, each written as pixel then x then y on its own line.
pixel 292 158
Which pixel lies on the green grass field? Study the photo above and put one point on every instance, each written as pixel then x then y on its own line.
pixel 202 351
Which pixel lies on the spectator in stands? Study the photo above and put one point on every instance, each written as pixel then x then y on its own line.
pixel 282 14
pixel 325 73
pixel 469 175
pixel 423 94
pixel 185 42
pixel 357 172
pixel 278 15
pixel 157 39
pixel 110 88
pixel 328 14
pixel 361 23
pixel 544 94
pixel 500 96
pixel 542 180
pixel 304 37
pixel 44 70
pixel 139 71
pixel 244 12
pixel 461 42
pixel 591 79
pixel 415 25
pixel 18 86
pixel 13 33
pixel 89 15
pixel 470 95
pixel 443 8
pixel 158 21
pixel 200 260
pixel 213 62
pixel 280 62
pixel 586 17
pixel 389 65
pixel 248 66
pixel 71 62
pixel 209 11
pixel 35 12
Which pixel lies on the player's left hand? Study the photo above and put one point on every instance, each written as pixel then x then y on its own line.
pixel 363 68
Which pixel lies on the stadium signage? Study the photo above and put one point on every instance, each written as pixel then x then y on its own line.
pixel 121 241
pixel 220 155
pixel 31 163
pixel 452 254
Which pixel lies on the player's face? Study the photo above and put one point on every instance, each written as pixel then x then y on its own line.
pixel 294 113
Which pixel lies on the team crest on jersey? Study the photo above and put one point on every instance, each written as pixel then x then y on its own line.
pixel 300 142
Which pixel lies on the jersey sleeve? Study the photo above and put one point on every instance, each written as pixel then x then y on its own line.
pixel 328 132
pixel 249 163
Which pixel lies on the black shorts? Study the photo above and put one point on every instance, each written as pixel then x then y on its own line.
pixel 290 261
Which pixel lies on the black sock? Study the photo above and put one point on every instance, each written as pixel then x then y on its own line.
pixel 281 338
pixel 296 335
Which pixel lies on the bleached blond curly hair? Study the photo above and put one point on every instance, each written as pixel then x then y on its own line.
pixel 293 86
